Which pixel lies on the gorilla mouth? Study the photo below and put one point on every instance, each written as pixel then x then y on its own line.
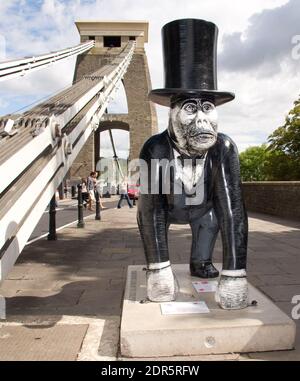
pixel 203 135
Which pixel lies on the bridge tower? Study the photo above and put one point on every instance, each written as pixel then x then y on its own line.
pixel 110 39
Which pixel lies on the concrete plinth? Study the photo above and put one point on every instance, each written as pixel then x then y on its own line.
pixel 145 332
pixel 2 308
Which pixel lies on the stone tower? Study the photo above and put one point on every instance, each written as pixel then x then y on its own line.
pixel 110 39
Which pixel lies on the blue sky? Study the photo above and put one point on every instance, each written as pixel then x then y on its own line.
pixel 254 53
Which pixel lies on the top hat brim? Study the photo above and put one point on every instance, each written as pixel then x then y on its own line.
pixel 163 96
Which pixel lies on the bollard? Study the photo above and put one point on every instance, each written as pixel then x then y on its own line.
pixel 80 223
pixel 98 216
pixel 52 220
pixel 134 201
pixel 61 191
pixel 73 191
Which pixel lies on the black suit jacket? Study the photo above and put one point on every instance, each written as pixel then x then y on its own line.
pixel 222 191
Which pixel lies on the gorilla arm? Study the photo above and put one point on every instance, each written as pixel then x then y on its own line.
pixel 232 218
pixel 152 222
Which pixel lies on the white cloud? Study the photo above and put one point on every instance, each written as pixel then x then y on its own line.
pixel 121 141
pixel 261 102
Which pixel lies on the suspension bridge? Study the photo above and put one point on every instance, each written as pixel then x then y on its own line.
pixel 39 146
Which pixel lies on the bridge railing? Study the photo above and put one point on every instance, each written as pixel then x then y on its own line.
pixel 35 160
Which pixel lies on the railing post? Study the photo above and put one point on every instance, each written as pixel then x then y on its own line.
pixel 80 223
pixel 98 216
pixel 52 220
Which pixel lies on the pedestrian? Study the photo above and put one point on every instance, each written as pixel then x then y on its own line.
pixel 90 185
pixel 123 189
pixel 99 189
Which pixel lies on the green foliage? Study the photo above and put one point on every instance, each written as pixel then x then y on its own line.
pixel 286 140
pixel 287 137
pixel 253 162
pixel 280 160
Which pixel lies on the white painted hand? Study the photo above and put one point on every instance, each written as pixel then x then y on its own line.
pixel 161 284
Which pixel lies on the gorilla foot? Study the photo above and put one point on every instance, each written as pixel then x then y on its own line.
pixel 161 284
pixel 204 270
pixel 232 291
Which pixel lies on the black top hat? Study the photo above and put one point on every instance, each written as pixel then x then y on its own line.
pixel 190 56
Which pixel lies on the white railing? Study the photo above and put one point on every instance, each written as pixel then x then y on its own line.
pixel 18 222
pixel 20 67
pixel 24 156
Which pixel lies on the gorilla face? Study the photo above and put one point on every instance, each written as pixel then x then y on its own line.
pixel 193 125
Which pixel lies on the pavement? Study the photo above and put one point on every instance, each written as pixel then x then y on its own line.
pixel 66 213
pixel 64 297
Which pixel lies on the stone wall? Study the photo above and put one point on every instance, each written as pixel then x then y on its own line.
pixel 278 198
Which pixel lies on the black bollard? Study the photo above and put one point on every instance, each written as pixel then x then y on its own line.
pixel 73 190
pixel 134 201
pixel 80 223
pixel 52 220
pixel 98 216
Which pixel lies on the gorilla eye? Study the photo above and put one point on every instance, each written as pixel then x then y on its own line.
pixel 207 107
pixel 190 108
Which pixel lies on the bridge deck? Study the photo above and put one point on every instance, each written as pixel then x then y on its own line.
pixel 79 280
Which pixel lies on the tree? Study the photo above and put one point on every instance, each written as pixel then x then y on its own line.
pixel 285 140
pixel 259 163
pixel 253 163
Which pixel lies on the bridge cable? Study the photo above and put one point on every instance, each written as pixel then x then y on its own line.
pixel 115 153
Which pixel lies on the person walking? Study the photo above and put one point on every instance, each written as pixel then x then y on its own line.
pixel 99 189
pixel 90 185
pixel 124 194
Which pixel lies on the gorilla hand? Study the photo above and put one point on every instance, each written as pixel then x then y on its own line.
pixel 232 291
pixel 161 284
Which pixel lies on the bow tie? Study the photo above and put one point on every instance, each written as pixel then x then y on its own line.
pixel 183 157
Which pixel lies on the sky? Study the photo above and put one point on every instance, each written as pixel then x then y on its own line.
pixel 258 55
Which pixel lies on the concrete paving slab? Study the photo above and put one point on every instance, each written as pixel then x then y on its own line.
pixel 41 343
pixel 145 332
pixel 282 293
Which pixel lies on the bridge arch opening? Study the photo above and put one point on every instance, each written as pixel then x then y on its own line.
pixel 113 152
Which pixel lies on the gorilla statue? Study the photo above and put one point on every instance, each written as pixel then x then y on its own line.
pixel 191 171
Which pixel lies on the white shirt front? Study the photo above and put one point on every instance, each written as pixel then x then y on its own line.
pixel 123 187
pixel 191 176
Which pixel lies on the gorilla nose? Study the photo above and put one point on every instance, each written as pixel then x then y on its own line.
pixel 201 119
